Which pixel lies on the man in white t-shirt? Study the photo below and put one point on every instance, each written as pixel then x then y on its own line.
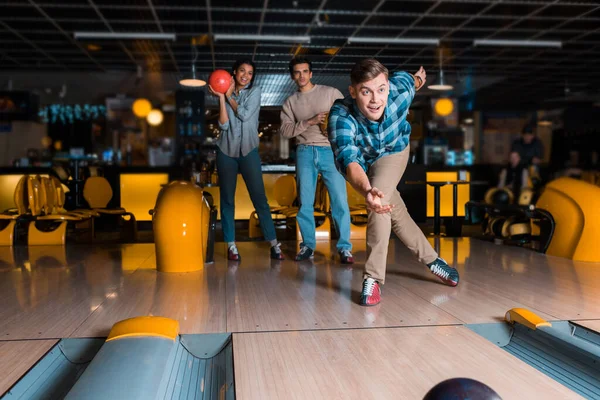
pixel 304 117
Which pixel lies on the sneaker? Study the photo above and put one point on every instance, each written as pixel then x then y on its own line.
pixel 446 273
pixel 371 293
pixel 346 257
pixel 232 253
pixel 304 254
pixel 276 253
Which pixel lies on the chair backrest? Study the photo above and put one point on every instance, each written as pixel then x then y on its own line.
pixel 59 191
pixel 61 172
pixel 97 192
pixel 49 195
pixel 94 171
pixel 354 198
pixel 20 196
pixel 525 197
pixel 34 195
pixel 285 191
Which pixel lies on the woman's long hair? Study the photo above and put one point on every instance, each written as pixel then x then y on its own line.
pixel 239 63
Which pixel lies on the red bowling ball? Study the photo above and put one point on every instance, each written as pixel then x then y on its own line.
pixel 220 80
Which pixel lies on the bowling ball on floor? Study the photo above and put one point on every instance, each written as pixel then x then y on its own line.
pixel 501 197
pixel 220 80
pixel 461 389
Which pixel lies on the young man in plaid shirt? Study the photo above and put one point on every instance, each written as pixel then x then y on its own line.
pixel 370 135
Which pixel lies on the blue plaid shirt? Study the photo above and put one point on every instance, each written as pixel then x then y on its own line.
pixel 355 138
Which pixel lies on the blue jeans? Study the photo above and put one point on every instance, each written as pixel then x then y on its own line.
pixel 249 166
pixel 310 161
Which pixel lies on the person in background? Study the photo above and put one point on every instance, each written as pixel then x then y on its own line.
pixel 529 147
pixel 370 138
pixel 238 152
pixel 302 116
pixel 514 176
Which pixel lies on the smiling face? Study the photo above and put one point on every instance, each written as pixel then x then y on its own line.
pixel 371 96
pixel 243 75
pixel 302 75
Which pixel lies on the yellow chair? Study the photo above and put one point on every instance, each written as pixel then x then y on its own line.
pixel 8 221
pixel 322 210
pixel 574 206
pixel 97 192
pixel 285 193
pixel 358 213
pixel 41 205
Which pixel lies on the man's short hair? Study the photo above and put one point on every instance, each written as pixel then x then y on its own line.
pixel 366 70
pixel 299 60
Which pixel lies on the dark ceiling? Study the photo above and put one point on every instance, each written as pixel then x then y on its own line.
pixel 38 38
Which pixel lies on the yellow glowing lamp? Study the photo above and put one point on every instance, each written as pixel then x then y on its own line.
pixel 155 117
pixel 46 141
pixel 444 107
pixel 141 108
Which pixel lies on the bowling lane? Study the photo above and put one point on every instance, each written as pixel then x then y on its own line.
pixel 495 278
pixel 388 363
pixel 48 291
pixel 266 295
pixel 17 357
pixel 590 324
pixel 195 299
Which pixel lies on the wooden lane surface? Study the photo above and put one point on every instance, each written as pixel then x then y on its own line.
pixel 387 363
pixel 17 357
pixel 593 324
pixel 265 295
pixel 195 299
pixel 48 291
pixel 502 277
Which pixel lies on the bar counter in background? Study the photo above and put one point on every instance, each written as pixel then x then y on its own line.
pixel 136 188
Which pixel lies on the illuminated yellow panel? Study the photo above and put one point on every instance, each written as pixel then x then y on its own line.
pixel 139 193
pixel 243 204
pixel 455 251
pixel 145 326
pixel 464 194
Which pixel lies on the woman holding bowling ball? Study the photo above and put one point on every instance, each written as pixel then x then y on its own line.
pixel 239 106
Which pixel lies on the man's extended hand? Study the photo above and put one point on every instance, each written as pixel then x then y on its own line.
pixel 373 200
pixel 422 76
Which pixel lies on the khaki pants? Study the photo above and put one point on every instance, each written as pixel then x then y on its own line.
pixel 385 174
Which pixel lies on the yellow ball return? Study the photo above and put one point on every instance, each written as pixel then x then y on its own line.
pixel 142 358
pixel 563 350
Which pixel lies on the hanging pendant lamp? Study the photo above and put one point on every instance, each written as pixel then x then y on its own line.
pixel 193 81
pixel 441 85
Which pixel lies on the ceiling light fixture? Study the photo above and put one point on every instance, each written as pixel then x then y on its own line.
pixel 441 85
pixel 517 43
pixel 387 40
pixel 193 81
pixel 262 38
pixel 125 35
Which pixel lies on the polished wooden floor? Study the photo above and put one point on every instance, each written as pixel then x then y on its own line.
pixel 298 331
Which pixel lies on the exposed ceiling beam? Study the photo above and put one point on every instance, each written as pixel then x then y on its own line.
pixel 158 24
pixel 68 36
pixel 29 42
pixel 210 33
pixel 379 4
pixel 260 26
pixel 107 24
